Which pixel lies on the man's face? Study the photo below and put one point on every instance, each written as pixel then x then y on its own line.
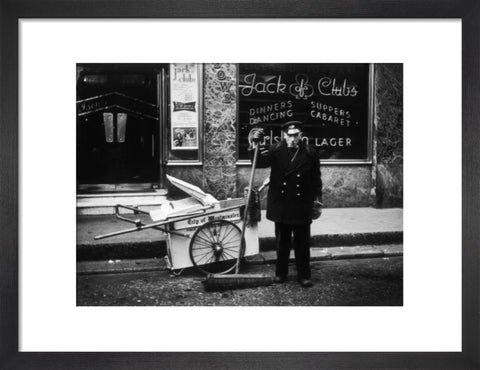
pixel 293 139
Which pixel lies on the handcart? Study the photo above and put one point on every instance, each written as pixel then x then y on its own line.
pixel 201 231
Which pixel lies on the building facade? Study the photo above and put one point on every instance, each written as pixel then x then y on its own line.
pixel 136 123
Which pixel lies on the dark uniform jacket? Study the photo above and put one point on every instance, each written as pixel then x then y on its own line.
pixel 293 184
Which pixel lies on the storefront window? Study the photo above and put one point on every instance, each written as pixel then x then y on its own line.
pixel 333 101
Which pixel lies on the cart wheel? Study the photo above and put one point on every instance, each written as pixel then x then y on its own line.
pixel 215 247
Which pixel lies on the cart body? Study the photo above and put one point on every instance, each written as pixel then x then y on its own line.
pixel 178 246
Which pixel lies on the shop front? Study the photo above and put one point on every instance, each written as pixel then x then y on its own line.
pixel 136 123
pixel 134 120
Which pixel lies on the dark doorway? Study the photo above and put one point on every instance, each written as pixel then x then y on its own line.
pixel 119 126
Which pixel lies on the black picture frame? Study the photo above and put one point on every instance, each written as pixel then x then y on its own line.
pixel 12 10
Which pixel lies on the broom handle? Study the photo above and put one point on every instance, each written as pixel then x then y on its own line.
pixel 249 194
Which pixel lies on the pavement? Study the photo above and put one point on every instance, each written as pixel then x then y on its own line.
pixel 339 233
pixel 266 257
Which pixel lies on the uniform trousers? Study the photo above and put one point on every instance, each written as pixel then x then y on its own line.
pixel 301 243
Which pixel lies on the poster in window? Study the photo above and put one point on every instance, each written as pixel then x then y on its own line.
pixel 184 138
pixel 184 106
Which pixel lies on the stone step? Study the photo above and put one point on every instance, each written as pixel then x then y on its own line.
pixel 104 204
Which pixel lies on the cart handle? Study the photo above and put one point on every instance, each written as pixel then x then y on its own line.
pixel 157 225
pixel 139 228
pixel 134 209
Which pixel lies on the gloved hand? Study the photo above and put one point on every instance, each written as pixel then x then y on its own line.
pixel 255 135
pixel 316 209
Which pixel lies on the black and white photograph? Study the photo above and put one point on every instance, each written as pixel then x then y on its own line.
pixel 239 184
pixel 304 172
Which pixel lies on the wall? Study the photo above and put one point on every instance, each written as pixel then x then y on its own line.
pixel 389 134
pixel 220 131
pixel 347 185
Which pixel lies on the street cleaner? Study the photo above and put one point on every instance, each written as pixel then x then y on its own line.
pixel 294 197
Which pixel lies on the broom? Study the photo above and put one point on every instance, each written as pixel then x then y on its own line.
pixel 239 281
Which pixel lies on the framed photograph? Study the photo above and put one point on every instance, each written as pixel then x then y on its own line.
pixel 326 55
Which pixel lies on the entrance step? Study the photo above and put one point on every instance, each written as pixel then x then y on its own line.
pixel 104 204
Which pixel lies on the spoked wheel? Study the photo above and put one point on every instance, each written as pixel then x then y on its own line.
pixel 215 247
